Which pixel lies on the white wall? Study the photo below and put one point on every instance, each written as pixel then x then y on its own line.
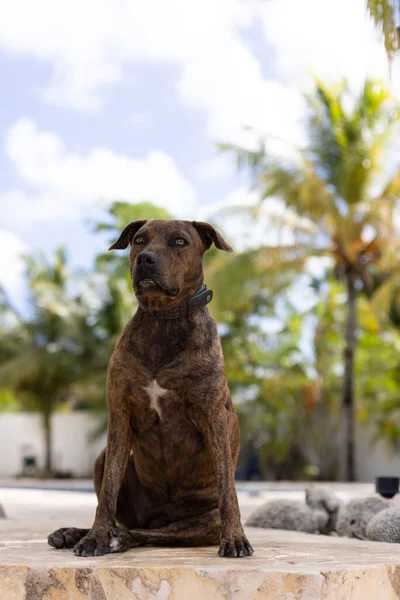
pixel 373 459
pixel 74 451
pixel 72 448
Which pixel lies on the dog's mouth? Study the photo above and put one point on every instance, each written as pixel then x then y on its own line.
pixel 147 283
pixel 150 284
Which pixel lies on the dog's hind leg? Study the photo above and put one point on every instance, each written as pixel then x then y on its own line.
pixel 202 530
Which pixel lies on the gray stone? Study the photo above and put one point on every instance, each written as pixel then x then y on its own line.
pixel 385 526
pixel 317 515
pixel 290 515
pixel 354 516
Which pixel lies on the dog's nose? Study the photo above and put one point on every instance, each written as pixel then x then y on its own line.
pixel 146 258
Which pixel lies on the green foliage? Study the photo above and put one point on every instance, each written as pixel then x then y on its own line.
pixel 331 186
pixel 346 146
pixel 288 399
pixel 8 402
pixel 289 403
pixel 383 14
pixel 57 355
pixel 330 191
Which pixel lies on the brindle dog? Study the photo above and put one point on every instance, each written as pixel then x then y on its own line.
pixel 167 475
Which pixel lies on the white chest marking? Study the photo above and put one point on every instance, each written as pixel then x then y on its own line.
pixel 155 392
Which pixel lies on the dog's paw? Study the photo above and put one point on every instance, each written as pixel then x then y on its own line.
pixel 95 543
pixel 235 547
pixel 66 537
pixel 121 540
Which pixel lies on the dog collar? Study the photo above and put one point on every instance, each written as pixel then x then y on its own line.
pixel 200 299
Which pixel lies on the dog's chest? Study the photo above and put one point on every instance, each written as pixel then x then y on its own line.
pixel 156 396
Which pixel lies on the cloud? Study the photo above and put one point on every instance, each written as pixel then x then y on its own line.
pixel 89 46
pixel 331 39
pixel 68 185
pixel 217 167
pixel 237 98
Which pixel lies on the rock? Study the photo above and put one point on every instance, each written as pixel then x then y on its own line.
pixel 354 516
pixel 291 515
pixel 317 515
pixel 385 526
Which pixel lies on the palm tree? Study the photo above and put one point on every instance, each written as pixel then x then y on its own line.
pixel 383 13
pixel 34 364
pixel 55 353
pixel 338 185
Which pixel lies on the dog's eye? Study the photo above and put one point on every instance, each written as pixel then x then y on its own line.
pixel 180 242
pixel 139 239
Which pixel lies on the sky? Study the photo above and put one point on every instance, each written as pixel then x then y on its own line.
pixel 106 100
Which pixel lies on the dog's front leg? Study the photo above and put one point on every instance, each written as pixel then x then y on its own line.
pixel 119 444
pixel 215 432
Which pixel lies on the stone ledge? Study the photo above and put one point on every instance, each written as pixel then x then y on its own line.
pixel 285 565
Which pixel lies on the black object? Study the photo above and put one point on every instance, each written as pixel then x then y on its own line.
pixel 387 486
pixel 251 470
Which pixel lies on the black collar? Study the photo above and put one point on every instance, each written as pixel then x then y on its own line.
pixel 200 299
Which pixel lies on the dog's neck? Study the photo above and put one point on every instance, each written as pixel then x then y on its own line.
pixel 191 304
pixel 158 342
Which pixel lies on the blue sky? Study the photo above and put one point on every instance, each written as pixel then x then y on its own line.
pixel 109 99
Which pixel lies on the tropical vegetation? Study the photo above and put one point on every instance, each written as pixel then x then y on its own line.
pixel 342 190
pixel 307 352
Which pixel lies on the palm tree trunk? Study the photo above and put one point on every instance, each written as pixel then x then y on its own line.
pixel 47 441
pixel 347 443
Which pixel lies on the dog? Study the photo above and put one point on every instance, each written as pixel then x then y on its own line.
pixel 166 476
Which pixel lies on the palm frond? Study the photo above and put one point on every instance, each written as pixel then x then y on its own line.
pixel 382 12
pixel 383 297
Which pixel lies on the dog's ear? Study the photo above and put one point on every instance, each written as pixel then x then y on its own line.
pixel 209 235
pixel 127 234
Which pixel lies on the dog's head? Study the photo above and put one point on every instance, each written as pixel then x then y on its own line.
pixel 166 259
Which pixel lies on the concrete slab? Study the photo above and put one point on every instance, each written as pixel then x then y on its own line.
pixel 285 565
